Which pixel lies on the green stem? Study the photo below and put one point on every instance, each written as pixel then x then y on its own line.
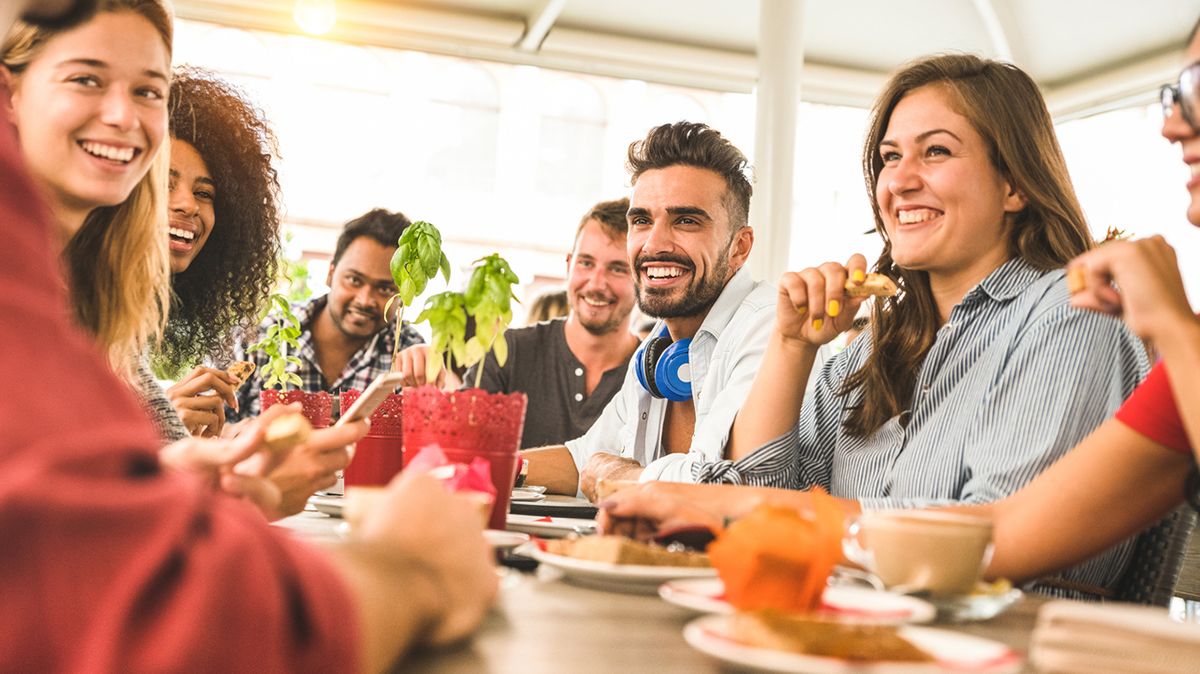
pixel 399 331
pixel 479 370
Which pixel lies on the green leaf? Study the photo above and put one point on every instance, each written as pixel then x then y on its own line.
pixel 500 348
pixel 444 264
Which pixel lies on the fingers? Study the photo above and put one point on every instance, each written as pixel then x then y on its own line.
pixel 202 412
pixel 204 379
pixel 262 493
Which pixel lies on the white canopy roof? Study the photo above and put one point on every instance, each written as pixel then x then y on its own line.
pixel 1086 54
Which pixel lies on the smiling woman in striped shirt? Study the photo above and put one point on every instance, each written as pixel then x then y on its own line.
pixel 979 374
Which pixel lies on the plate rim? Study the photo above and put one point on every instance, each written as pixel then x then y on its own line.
pixel 922 611
pixel 699 632
pixel 627 573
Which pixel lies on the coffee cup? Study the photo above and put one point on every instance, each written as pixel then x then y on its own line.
pixel 941 553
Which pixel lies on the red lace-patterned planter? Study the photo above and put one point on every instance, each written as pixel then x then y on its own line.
pixel 317 407
pixel 468 424
pixel 379 455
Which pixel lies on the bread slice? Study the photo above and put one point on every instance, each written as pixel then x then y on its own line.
pixel 240 370
pixel 874 285
pixel 287 431
pixel 621 550
pixel 848 641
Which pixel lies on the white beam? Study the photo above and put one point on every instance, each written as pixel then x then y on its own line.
pixel 780 62
pixel 994 25
pixel 539 23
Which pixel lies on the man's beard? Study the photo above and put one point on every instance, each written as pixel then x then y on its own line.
pixel 697 298
pixel 340 320
pixel 598 328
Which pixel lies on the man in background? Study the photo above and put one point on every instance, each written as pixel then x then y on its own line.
pixel 571 367
pixel 346 340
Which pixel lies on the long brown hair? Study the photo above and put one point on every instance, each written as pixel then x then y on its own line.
pixel 1006 108
pixel 118 261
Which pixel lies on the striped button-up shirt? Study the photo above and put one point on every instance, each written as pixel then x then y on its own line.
pixel 372 360
pixel 1015 378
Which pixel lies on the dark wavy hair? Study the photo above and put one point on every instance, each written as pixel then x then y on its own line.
pixel 220 295
pixel 698 145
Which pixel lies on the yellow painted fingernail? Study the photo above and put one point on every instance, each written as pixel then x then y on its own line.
pixel 858 276
pixel 834 308
pixel 817 323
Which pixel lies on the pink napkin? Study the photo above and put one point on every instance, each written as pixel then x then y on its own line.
pixel 476 476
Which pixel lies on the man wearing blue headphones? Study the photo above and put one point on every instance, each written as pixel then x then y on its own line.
pixel 689 240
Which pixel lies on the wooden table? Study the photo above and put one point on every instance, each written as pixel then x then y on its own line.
pixel 542 625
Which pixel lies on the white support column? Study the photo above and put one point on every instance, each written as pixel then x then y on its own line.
pixel 780 64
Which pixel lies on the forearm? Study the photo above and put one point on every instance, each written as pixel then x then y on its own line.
pixel 1181 353
pixel 388 625
pixel 773 405
pixel 553 468
pixel 1114 484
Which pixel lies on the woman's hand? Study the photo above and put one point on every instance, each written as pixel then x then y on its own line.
pixel 313 465
pixel 200 399
pixel 1148 290
pixel 237 466
pixel 812 306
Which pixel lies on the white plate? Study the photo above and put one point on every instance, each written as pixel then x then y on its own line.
pixel 852 604
pixel 617 577
pixel 953 652
pixel 505 540
pixel 527 495
pixel 330 505
pixel 549 527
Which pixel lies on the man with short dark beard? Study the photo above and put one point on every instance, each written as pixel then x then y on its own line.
pixel 571 367
pixel 688 243
pixel 346 340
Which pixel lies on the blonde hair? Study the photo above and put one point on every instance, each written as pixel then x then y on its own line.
pixel 118 263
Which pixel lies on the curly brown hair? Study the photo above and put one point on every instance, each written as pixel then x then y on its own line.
pixel 221 293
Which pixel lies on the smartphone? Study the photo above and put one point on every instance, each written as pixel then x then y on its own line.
pixel 373 397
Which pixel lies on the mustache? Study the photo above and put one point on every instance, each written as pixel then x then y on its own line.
pixel 680 260
pixel 370 311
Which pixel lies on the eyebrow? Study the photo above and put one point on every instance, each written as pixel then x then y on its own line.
pixel 673 210
pixel 97 63
pixel 201 179
pixel 921 137
pixel 370 279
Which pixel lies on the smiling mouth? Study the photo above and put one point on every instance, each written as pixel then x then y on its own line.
pixel 116 155
pixel 182 235
pixel 916 216
pixel 595 302
pixel 655 273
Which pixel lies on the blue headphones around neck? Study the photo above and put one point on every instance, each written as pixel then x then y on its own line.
pixel 663 369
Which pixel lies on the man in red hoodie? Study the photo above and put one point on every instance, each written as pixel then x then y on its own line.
pixel 113 563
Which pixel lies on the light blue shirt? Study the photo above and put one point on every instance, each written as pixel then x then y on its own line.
pixel 724 356
pixel 1015 378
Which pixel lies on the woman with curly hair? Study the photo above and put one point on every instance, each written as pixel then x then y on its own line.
pixel 224 238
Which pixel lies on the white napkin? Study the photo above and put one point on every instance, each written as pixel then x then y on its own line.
pixel 1079 638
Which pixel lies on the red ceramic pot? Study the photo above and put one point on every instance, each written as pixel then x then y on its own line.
pixel 468 424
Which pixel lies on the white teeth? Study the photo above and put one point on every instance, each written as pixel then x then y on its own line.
pixel 595 303
pixel 183 234
pixel 1195 169
pixel 121 154
pixel 916 215
pixel 663 272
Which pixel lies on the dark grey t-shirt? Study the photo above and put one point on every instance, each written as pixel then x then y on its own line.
pixel 542 367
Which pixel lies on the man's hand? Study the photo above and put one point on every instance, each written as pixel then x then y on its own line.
pixel 603 466
pixel 1149 291
pixel 411 362
pixel 644 511
pixel 200 399
pixel 441 536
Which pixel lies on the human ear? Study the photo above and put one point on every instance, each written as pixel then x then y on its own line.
pixel 1014 200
